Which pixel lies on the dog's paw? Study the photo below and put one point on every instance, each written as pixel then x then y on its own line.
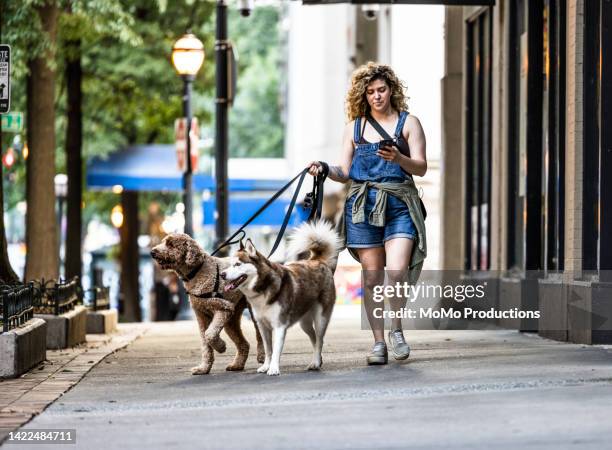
pixel 314 366
pixel 200 370
pixel 273 371
pixel 218 344
pixel 221 346
pixel 261 357
pixel 235 367
pixel 263 368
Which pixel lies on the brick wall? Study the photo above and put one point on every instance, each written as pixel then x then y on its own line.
pixel 574 137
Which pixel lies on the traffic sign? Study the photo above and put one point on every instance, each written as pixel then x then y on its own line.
pixel 12 122
pixel 5 78
pixel 180 126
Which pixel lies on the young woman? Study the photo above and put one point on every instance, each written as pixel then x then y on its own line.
pixel 383 225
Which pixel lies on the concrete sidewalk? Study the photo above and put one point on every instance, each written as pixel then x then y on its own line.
pixel 459 389
pixel 28 395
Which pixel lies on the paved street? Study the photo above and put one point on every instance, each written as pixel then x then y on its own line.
pixel 459 389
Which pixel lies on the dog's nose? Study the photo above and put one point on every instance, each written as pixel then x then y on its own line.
pixel 153 252
pixel 223 275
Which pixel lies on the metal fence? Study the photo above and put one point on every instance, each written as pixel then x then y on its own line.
pixel 58 297
pixel 17 305
pixel 97 298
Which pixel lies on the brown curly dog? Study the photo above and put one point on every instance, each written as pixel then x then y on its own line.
pixel 214 309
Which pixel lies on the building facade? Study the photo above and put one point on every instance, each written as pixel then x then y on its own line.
pixel 531 81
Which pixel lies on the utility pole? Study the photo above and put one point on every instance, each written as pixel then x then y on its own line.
pixel 221 125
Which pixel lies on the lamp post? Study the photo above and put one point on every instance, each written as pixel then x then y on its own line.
pixel 61 191
pixel 187 58
pixel 221 126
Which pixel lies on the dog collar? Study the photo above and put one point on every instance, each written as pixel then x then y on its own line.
pixel 191 275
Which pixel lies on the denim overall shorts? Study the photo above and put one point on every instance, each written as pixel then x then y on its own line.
pixel 368 166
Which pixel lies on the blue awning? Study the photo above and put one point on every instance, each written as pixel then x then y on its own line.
pixel 154 168
pixel 241 209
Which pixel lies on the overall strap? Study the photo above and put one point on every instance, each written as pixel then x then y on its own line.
pixel 400 123
pixel 357 130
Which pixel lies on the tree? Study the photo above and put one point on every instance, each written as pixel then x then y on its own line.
pixel 7 274
pixel 129 254
pixel 82 22
pixel 74 161
pixel 41 226
pixel 129 92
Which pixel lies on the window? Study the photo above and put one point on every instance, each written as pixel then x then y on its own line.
pixel 524 135
pixel 478 142
pixel 553 135
pixel 597 157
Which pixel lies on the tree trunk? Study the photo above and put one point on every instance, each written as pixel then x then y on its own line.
pixel 74 165
pixel 7 274
pixel 41 227
pixel 130 294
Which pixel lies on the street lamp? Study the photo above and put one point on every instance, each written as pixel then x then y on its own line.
pixel 187 58
pixel 117 216
pixel 61 192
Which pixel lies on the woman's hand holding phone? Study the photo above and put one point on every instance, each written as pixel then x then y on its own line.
pixel 387 150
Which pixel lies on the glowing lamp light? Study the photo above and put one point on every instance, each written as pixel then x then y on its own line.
pixel 9 158
pixel 117 216
pixel 188 55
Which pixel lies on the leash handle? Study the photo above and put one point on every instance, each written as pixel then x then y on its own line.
pixel 317 193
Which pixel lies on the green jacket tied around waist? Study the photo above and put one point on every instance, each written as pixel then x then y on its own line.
pixel 406 192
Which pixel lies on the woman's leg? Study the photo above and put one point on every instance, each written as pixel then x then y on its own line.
pixel 398 252
pixel 373 266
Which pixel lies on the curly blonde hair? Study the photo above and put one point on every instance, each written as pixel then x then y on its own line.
pixel 356 102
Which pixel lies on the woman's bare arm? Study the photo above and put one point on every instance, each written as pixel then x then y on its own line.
pixel 340 172
pixel 416 163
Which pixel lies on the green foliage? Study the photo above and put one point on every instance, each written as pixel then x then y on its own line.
pixel 256 128
pixel 131 93
pixel 22 30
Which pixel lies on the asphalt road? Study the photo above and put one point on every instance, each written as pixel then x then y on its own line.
pixel 459 389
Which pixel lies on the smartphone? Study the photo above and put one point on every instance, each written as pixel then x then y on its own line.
pixel 387 143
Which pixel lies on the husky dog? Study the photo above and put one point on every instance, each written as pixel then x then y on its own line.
pixel 281 295
pixel 213 309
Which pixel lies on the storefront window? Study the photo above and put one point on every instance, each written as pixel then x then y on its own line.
pixel 478 142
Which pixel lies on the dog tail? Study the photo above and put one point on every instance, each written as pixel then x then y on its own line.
pixel 315 241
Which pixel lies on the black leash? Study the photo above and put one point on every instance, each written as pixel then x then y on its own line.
pixel 228 241
pixel 316 196
pixel 313 200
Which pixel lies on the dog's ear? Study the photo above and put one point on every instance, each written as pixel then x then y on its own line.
pixel 193 255
pixel 250 248
pixel 241 245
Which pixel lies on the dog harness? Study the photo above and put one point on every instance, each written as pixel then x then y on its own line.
pixel 214 293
